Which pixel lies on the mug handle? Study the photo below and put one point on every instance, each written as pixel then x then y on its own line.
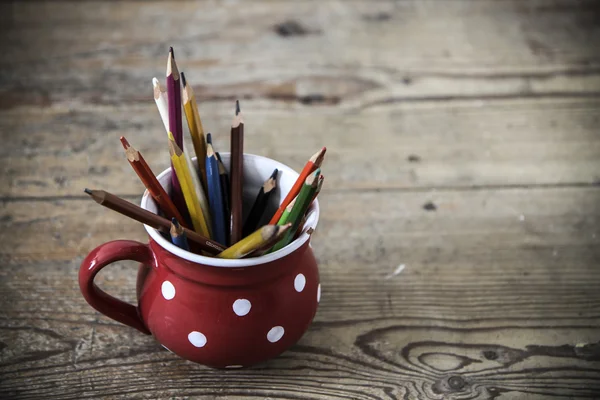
pixel 108 305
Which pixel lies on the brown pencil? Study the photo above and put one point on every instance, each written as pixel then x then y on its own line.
pixel 146 217
pixel 237 176
pixel 147 177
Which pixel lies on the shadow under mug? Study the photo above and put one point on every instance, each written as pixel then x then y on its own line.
pixel 216 312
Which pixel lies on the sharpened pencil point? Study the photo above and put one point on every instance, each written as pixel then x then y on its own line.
pixel 274 174
pixel 124 142
pixel 209 138
pixel 237 107
pixel 172 51
pixel 183 79
pixel 88 191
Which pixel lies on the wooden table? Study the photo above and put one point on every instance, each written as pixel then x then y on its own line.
pixel 458 242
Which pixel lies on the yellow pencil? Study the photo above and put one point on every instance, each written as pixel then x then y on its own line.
pixel 190 194
pixel 196 130
pixel 265 236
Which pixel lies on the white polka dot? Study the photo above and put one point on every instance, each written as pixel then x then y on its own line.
pixel 299 282
pixel 197 339
pixel 275 334
pixel 168 290
pixel 319 293
pixel 241 307
pixel 234 366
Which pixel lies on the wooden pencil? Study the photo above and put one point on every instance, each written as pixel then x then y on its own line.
pixel 174 99
pixel 302 203
pixel 224 178
pixel 146 217
pixel 237 176
pixel 195 126
pixel 187 187
pixel 160 98
pixel 311 165
pixel 215 196
pixel 267 245
pixel 175 127
pixel 319 187
pixel 260 204
pixel 254 241
pixel 143 171
pixel 286 213
pixel 200 192
pixel 178 235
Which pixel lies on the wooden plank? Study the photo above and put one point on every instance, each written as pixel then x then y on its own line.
pixel 360 52
pixel 498 295
pixel 407 146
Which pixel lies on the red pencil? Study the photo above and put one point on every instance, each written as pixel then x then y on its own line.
pixel 311 165
pixel 141 168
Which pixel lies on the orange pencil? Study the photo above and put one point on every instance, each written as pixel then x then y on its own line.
pixel 311 165
pixel 147 177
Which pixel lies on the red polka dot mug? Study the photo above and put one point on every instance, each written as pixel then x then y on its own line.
pixel 216 312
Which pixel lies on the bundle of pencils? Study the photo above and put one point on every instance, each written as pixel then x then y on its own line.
pixel 203 213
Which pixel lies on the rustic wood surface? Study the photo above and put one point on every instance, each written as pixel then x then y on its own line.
pixel 464 144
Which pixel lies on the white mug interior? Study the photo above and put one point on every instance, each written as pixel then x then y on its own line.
pixel 256 171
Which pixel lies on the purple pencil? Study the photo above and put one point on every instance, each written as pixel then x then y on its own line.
pixel 174 100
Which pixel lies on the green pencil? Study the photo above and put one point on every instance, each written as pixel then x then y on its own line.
pixel 300 207
pixel 286 214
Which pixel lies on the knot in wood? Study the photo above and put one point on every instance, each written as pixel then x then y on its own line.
pixel 456 382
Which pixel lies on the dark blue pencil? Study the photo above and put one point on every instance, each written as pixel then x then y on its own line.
pixel 178 235
pixel 215 196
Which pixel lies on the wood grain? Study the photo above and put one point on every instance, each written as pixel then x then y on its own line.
pixel 458 241
pixel 518 142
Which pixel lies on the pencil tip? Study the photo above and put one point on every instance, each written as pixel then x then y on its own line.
pixel 171 51
pixel 183 79
pixel 175 222
pixel 88 191
pixel 209 138
pixel 237 107
pixel 274 174
pixel 124 142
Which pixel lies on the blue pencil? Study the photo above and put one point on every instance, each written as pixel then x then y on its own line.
pixel 215 196
pixel 178 235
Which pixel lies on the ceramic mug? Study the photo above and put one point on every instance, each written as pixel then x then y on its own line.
pixel 216 312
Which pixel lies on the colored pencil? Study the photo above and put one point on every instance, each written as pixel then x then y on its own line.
pixel 286 214
pixel 267 246
pixel 196 130
pixel 215 196
pixel 178 235
pixel 146 217
pixel 319 187
pixel 312 164
pixel 200 192
pixel 160 97
pixel 224 178
pixel 236 170
pixel 147 177
pixel 254 241
pixel 302 203
pixel 260 204
pixel 174 108
pixel 174 99
pixel 187 187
